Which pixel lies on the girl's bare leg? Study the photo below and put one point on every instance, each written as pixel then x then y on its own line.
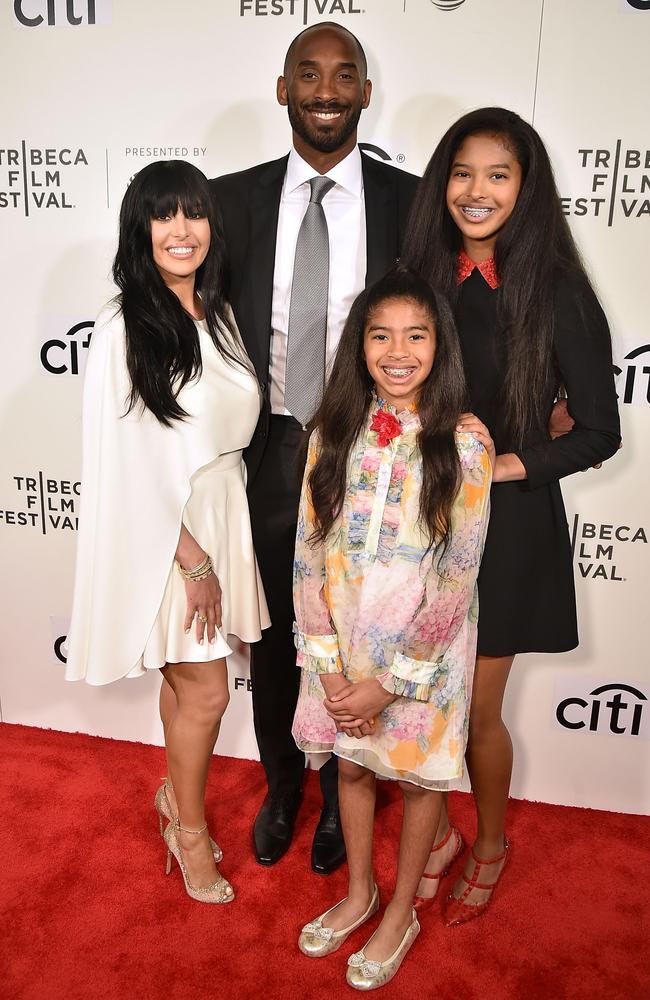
pixel 419 824
pixel 357 810
pixel 201 693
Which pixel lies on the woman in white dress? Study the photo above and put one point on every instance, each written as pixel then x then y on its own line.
pixel 165 561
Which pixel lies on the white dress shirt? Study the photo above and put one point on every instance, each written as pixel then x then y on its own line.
pixel 345 213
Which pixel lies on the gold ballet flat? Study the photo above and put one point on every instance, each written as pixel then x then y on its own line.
pixel 316 940
pixel 163 807
pixel 220 891
pixel 366 974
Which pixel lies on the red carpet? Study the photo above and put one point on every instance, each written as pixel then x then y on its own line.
pixel 88 913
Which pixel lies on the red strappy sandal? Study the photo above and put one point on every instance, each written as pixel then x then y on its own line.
pixel 424 902
pixel 456 910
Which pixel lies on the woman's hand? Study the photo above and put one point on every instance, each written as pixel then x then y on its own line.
pixel 203 597
pixel 204 605
pixel 469 423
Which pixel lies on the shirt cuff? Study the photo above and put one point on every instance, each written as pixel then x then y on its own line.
pixel 319 654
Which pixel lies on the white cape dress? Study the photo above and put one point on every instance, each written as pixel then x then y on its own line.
pixel 140 481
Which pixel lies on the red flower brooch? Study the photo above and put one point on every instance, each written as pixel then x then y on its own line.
pixel 387 427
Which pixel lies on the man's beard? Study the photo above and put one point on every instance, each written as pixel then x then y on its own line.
pixel 325 139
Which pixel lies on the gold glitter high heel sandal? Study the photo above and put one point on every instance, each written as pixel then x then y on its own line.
pixel 220 891
pixel 163 807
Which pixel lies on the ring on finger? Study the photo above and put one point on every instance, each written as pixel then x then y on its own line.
pixel 203 618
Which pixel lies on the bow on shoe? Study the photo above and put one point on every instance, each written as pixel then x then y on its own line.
pixel 368 967
pixel 317 929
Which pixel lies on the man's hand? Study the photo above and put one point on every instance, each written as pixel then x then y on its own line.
pixel 560 422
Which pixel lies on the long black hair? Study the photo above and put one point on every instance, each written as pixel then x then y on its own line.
pixel 162 343
pixel 534 246
pixel 348 395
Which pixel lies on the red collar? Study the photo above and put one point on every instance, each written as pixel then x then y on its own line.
pixel 465 266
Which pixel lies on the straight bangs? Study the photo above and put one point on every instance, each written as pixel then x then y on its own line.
pixel 402 283
pixel 179 186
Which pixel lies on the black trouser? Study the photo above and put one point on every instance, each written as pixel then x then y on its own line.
pixel 274 497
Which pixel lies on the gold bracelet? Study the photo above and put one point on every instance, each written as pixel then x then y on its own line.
pixel 204 576
pixel 198 573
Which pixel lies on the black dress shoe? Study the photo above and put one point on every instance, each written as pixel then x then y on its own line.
pixel 273 827
pixel 328 847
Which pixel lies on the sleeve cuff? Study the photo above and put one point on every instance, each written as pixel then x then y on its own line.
pixel 409 678
pixel 533 467
pixel 404 689
pixel 319 654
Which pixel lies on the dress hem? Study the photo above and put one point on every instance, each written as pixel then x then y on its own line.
pixel 517 652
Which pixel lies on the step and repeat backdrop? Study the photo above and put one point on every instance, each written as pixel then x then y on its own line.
pixel 101 87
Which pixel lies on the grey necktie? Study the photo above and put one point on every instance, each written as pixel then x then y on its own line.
pixel 305 373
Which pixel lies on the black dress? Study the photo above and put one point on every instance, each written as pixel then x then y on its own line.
pixel 526 588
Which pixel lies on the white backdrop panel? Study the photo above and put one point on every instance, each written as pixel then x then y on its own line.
pixel 162 79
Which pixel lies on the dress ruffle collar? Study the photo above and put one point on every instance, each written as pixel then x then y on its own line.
pixel 465 265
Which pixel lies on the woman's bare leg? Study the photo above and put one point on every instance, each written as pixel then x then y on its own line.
pixel 439 860
pixel 201 692
pixel 167 703
pixel 489 763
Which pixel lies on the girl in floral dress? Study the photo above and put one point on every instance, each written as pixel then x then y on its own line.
pixel 392 518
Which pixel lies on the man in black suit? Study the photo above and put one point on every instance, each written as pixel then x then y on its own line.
pixel 324 87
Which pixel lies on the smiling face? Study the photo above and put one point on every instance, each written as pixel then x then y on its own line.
pixel 180 244
pixel 482 191
pixel 325 89
pixel 399 346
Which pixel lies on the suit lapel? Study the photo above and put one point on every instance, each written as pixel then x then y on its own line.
pixel 381 223
pixel 264 210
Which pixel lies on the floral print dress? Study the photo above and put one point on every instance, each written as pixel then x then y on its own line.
pixel 373 601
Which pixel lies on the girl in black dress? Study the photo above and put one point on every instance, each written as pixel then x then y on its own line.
pixel 487 229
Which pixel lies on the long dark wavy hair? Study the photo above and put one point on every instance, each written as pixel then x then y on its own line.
pixel 343 411
pixel 162 344
pixel 533 247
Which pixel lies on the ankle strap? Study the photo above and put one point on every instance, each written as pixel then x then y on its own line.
pixel 492 861
pixel 445 839
pixel 185 830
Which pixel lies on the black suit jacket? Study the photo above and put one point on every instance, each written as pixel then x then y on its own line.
pixel 248 204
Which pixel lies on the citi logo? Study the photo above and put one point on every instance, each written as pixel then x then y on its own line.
pixel 611 708
pixel 59 629
pixel 67 357
pixel 60 648
pixel 634 376
pixel 377 151
pixel 447 4
pixel 61 13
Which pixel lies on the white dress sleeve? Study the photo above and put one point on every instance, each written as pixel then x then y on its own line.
pixel 135 483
